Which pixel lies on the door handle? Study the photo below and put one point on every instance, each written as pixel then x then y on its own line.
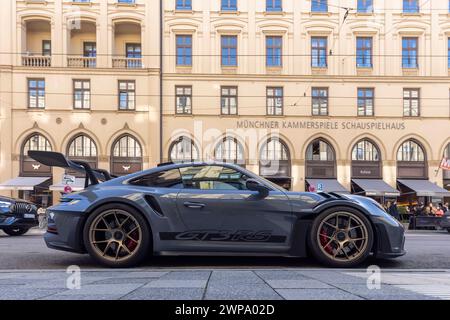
pixel 194 205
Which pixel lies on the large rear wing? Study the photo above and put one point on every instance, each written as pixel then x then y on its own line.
pixel 56 159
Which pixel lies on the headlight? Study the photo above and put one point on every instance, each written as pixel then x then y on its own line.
pixel 5 204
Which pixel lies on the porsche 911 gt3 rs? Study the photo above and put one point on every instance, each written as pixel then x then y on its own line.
pixel 213 209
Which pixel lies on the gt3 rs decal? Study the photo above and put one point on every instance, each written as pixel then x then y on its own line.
pixel 223 235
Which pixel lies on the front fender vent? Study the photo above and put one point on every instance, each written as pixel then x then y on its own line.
pixel 153 203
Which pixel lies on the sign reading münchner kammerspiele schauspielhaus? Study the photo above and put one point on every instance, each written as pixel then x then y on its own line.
pixel 320 125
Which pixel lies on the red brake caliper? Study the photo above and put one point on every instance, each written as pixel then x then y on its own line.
pixel 324 241
pixel 131 245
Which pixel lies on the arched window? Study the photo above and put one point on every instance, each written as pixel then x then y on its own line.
pixel 410 151
pixel 366 160
pixel 183 150
pixel 274 150
pixel 82 146
pixel 320 150
pixel 36 142
pixel 446 173
pixel 365 150
pixel 320 160
pixel 411 161
pixel 28 166
pixel 275 162
pixel 126 155
pixel 230 150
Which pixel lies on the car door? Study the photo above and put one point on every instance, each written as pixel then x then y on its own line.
pixel 220 214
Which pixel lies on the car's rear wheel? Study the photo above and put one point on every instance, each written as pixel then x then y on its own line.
pixel 448 230
pixel 117 236
pixel 341 237
pixel 16 231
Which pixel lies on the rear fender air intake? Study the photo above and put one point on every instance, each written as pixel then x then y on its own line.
pixel 153 203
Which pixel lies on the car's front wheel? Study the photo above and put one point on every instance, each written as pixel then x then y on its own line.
pixel 15 231
pixel 341 237
pixel 117 236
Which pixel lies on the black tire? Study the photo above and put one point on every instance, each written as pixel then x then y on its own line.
pixel 15 231
pixel 135 257
pixel 448 230
pixel 318 249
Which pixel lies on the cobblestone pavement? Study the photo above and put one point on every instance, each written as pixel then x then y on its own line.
pixel 225 284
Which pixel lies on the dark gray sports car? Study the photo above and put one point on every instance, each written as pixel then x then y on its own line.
pixel 213 209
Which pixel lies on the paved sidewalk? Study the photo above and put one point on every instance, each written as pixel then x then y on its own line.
pixel 192 284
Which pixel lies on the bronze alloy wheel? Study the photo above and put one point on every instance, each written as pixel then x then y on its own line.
pixel 115 235
pixel 342 237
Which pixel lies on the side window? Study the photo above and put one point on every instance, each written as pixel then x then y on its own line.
pixel 161 179
pixel 213 178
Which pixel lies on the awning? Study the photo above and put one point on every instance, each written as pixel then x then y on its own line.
pixel 23 183
pixel 329 185
pixel 425 188
pixel 376 188
pixel 77 186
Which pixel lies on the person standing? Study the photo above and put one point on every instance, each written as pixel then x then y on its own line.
pixel 393 210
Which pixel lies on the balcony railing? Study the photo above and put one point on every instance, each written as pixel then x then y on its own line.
pixel 127 63
pixel 81 62
pixel 37 61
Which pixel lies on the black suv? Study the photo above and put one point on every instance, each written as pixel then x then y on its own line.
pixel 17 216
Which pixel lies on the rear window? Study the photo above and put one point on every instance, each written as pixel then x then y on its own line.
pixel 161 179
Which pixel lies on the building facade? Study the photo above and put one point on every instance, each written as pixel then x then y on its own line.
pixel 81 78
pixel 337 95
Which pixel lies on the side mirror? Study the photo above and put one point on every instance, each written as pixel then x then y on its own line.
pixel 255 185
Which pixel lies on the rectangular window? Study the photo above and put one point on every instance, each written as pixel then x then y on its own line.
pixel 364 52
pixel 125 1
pixel 184 50
pixel 89 51
pixel 36 93
pixel 46 48
pixel 229 5
pixel 319 101
pixel 81 94
pixel 229 50
pixel 409 52
pixel 274 5
pixel 365 6
pixel 274 51
pixel 365 102
pixel 411 102
pixel 319 5
pixel 448 50
pixel 183 97
pixel 127 95
pixel 410 6
pixel 134 54
pixel 274 98
pixel 319 52
pixel 133 50
pixel 229 98
pixel 184 5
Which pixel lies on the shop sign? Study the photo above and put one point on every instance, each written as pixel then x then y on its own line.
pixel 68 180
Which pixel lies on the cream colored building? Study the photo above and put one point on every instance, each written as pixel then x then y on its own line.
pixel 388 128
pixel 89 43
pixel 270 61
